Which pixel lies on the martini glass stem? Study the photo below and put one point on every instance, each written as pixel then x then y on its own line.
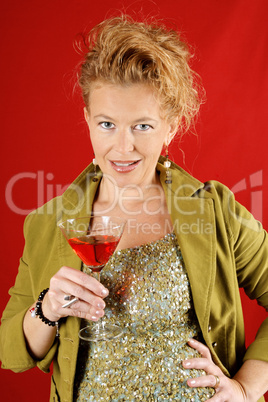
pixel 100 325
pixel 98 276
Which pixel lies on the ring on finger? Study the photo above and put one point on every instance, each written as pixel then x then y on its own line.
pixel 218 381
pixel 68 297
pixel 70 302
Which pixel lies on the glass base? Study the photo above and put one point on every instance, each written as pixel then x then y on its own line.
pixel 100 332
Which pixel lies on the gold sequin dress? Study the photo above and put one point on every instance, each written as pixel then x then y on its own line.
pixel 150 298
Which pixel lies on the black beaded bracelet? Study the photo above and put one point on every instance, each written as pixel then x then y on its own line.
pixel 38 312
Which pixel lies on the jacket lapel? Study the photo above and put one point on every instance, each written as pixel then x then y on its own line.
pixel 196 235
pixel 194 224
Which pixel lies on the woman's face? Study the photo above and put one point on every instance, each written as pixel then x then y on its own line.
pixel 127 132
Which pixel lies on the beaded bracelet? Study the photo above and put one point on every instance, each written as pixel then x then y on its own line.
pixel 38 312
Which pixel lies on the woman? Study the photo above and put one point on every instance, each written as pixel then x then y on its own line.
pixel 186 248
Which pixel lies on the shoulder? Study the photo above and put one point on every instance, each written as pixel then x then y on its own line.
pixel 61 207
pixel 185 184
pixel 228 211
pixel 216 190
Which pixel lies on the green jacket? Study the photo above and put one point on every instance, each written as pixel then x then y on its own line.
pixel 223 248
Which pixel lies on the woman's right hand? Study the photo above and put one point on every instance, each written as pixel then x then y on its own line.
pixel 69 281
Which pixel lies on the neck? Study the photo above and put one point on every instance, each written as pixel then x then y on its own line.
pixel 110 195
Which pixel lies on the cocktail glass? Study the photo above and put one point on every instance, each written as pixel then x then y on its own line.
pixel 94 239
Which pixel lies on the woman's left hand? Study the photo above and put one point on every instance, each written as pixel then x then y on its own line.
pixel 227 390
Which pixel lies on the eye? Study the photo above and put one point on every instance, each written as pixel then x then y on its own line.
pixel 142 127
pixel 107 125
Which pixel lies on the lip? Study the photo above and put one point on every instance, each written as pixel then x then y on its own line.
pixel 124 166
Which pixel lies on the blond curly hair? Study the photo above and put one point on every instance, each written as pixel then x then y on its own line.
pixel 123 51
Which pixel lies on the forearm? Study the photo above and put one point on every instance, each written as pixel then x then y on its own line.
pixel 253 377
pixel 38 335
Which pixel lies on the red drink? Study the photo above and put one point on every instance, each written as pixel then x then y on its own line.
pixel 94 251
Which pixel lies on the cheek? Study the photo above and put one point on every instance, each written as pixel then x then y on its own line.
pixel 97 145
pixel 156 148
pixel 97 152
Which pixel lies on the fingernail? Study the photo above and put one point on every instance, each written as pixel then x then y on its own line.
pixel 192 382
pixel 104 292
pixel 186 363
pixel 192 341
pixel 101 305
pixel 93 318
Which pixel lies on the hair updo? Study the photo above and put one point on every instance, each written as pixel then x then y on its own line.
pixel 123 51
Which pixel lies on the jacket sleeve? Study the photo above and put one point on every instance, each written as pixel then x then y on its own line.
pixel 250 246
pixel 13 349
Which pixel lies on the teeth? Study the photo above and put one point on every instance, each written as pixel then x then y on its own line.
pixel 123 164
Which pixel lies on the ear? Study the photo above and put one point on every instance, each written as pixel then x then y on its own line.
pixel 173 128
pixel 86 116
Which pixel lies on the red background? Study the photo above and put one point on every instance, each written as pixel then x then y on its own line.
pixel 42 127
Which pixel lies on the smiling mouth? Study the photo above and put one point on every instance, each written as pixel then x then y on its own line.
pixel 124 163
pixel 125 166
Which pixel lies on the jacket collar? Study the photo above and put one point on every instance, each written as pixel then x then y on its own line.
pixel 183 184
pixel 78 199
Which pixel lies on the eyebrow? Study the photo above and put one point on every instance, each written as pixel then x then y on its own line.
pixel 145 118
pixel 139 120
pixel 103 117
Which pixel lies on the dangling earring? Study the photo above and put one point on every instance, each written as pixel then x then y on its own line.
pixel 167 165
pixel 94 161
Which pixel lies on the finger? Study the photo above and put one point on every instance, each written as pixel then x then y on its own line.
pixel 70 281
pixel 76 283
pixel 83 279
pixel 83 310
pixel 202 381
pixel 204 364
pixel 61 284
pixel 201 348
pixel 197 363
pixel 71 288
pixel 79 309
pixel 69 303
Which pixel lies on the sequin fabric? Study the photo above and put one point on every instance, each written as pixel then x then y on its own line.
pixel 150 298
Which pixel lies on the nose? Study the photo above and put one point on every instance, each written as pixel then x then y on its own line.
pixel 124 141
